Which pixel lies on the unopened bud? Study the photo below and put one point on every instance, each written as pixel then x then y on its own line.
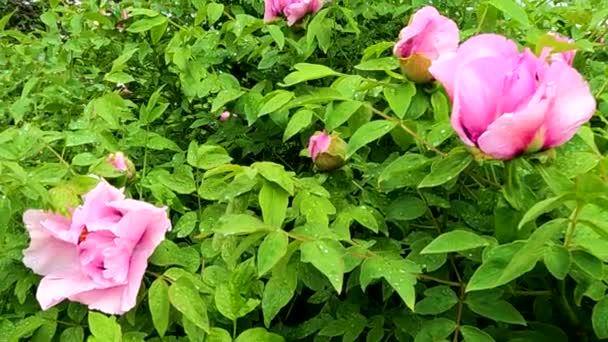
pixel 327 151
pixel 225 116
pixel 416 68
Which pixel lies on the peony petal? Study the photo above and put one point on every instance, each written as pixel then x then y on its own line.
pixel 512 133
pixel 108 300
pixel 52 290
pixel 47 254
pixel 270 10
pixel 478 91
pixel 441 36
pixel 95 206
pixel 446 67
pixel 295 12
pixel 573 103
pixel 318 143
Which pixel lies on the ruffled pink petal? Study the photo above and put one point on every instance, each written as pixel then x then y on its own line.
pixel 446 67
pixel 573 103
pixel 441 36
pixel 47 254
pixel 512 133
pixel 270 10
pixel 54 290
pixel 95 206
pixel 295 12
pixel 315 5
pixel 120 299
pixel 108 300
pixel 478 92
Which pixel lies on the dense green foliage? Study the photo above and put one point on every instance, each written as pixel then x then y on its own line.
pixel 416 238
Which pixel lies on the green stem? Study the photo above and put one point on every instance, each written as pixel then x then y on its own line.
pixel 408 131
pixel 572 228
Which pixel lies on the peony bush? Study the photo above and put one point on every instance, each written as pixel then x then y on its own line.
pixel 303 170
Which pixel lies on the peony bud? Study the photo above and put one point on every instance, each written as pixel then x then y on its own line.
pixel 121 163
pixel 225 116
pixel 427 37
pixel 327 151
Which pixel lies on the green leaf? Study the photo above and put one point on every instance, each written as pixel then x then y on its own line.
pixel 300 120
pixel 327 257
pixel 143 25
pixel 307 72
pixel 207 156
pixel 513 10
pixel 277 35
pixel 455 241
pixel 367 133
pixel 444 170
pixel 273 201
pixel 340 113
pixel 275 173
pixel 320 29
pixel 543 207
pixel 72 334
pixel 5 19
pixel 278 291
pixel 406 208
pixel 168 253
pixel 119 77
pixel 214 12
pixel 599 318
pixel 271 250
pixel 158 301
pixel 274 101
pixel 589 264
pixel 186 224
pixel 438 299
pixel 365 217
pixel 472 334
pixel 404 171
pixel 505 263
pixel 496 309
pixel 441 108
pixel 26 326
pixel 558 261
pixel 218 335
pixel 180 181
pixel 437 329
pixel 231 304
pixel 258 335
pixel 379 64
pixel 225 96
pixel 399 273
pixel 104 328
pixel 157 32
pixel 187 300
pixel 399 97
pixel 236 224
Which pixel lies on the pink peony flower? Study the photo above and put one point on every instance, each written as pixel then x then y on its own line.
pixel 428 36
pixel 118 161
pixel 506 102
pixel 293 10
pixel 99 256
pixel 225 116
pixel 318 144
